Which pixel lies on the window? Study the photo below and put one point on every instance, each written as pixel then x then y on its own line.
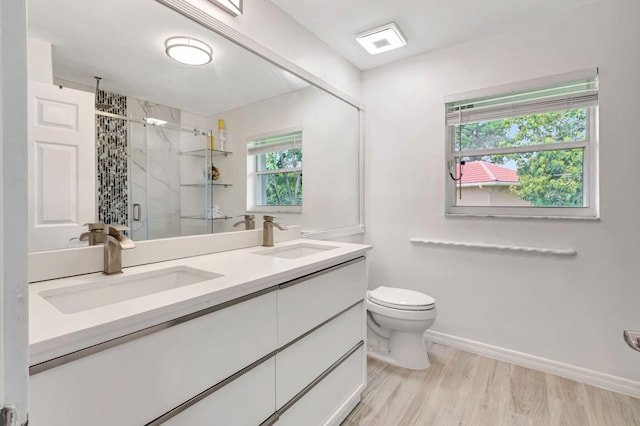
pixel 275 172
pixel 524 153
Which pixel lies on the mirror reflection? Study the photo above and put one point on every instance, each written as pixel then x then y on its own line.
pixel 171 149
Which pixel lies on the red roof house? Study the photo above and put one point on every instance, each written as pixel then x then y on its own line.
pixel 480 172
pixel 487 184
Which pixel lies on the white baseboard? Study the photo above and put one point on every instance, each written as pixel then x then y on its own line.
pixel 568 371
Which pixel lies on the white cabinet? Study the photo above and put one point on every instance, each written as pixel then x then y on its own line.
pixel 321 319
pixel 292 353
pixel 135 382
pixel 308 302
pixel 329 402
pixel 299 364
pixel 246 401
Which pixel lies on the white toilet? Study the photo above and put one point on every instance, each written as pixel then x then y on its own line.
pixel 396 320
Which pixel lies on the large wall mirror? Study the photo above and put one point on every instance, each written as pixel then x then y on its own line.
pixel 145 149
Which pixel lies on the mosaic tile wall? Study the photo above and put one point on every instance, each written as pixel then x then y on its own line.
pixel 112 169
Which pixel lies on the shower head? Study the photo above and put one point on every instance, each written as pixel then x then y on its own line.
pixel 101 106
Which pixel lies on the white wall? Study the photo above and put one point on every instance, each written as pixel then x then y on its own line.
pixel 268 25
pixel 571 310
pixel 39 61
pixel 13 209
pixel 330 156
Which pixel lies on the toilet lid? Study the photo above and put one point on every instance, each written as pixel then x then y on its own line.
pixel 401 298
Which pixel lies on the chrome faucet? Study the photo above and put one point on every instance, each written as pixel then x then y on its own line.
pixel 114 242
pixel 249 221
pixel 267 230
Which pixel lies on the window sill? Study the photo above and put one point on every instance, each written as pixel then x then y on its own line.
pixel 514 216
pixel 591 213
pixel 275 209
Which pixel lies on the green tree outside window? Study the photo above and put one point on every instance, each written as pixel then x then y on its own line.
pixel 547 178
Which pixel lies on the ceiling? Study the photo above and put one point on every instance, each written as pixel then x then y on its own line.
pixel 427 24
pixel 105 38
pixel 108 41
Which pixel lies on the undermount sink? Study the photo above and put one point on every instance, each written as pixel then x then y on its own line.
pixel 295 251
pixel 107 291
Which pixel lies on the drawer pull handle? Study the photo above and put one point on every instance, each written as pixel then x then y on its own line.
pixel 81 353
pixel 202 395
pixel 317 274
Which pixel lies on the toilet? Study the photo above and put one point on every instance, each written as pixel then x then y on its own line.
pixel 396 321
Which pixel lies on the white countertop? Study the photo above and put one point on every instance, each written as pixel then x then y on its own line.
pixel 53 333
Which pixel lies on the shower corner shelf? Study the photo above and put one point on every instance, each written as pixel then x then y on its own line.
pixel 205 189
pixel 203 152
pixel 202 185
pixel 206 218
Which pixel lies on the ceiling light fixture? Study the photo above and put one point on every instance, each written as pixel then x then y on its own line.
pixel 187 50
pixel 155 121
pixel 232 7
pixel 382 39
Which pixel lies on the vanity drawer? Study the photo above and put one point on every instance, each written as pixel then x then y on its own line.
pixel 137 381
pixel 330 401
pixel 324 346
pixel 248 400
pixel 309 301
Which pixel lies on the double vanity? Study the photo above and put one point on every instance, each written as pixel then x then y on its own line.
pixel 252 336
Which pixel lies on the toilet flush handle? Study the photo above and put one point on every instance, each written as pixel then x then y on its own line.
pixel 633 339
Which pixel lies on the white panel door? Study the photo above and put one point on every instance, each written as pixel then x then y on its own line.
pixel 62 165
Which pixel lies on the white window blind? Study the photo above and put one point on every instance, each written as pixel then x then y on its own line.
pixel 566 96
pixel 287 141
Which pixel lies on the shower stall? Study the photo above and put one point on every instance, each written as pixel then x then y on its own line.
pixel 154 174
pixel 170 189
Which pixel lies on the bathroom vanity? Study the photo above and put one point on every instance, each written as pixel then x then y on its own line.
pixel 243 337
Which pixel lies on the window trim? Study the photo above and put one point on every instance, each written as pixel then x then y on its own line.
pixel 253 174
pixel 532 84
pixel 590 162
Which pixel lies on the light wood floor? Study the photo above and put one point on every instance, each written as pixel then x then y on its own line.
pixel 465 389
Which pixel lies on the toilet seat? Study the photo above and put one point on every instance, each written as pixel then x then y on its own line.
pixel 401 299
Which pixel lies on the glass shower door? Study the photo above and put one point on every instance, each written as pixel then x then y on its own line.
pixel 155 181
pixel 138 221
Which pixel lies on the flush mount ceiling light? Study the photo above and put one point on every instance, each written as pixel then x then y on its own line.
pixel 187 50
pixel 382 39
pixel 155 121
pixel 233 7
